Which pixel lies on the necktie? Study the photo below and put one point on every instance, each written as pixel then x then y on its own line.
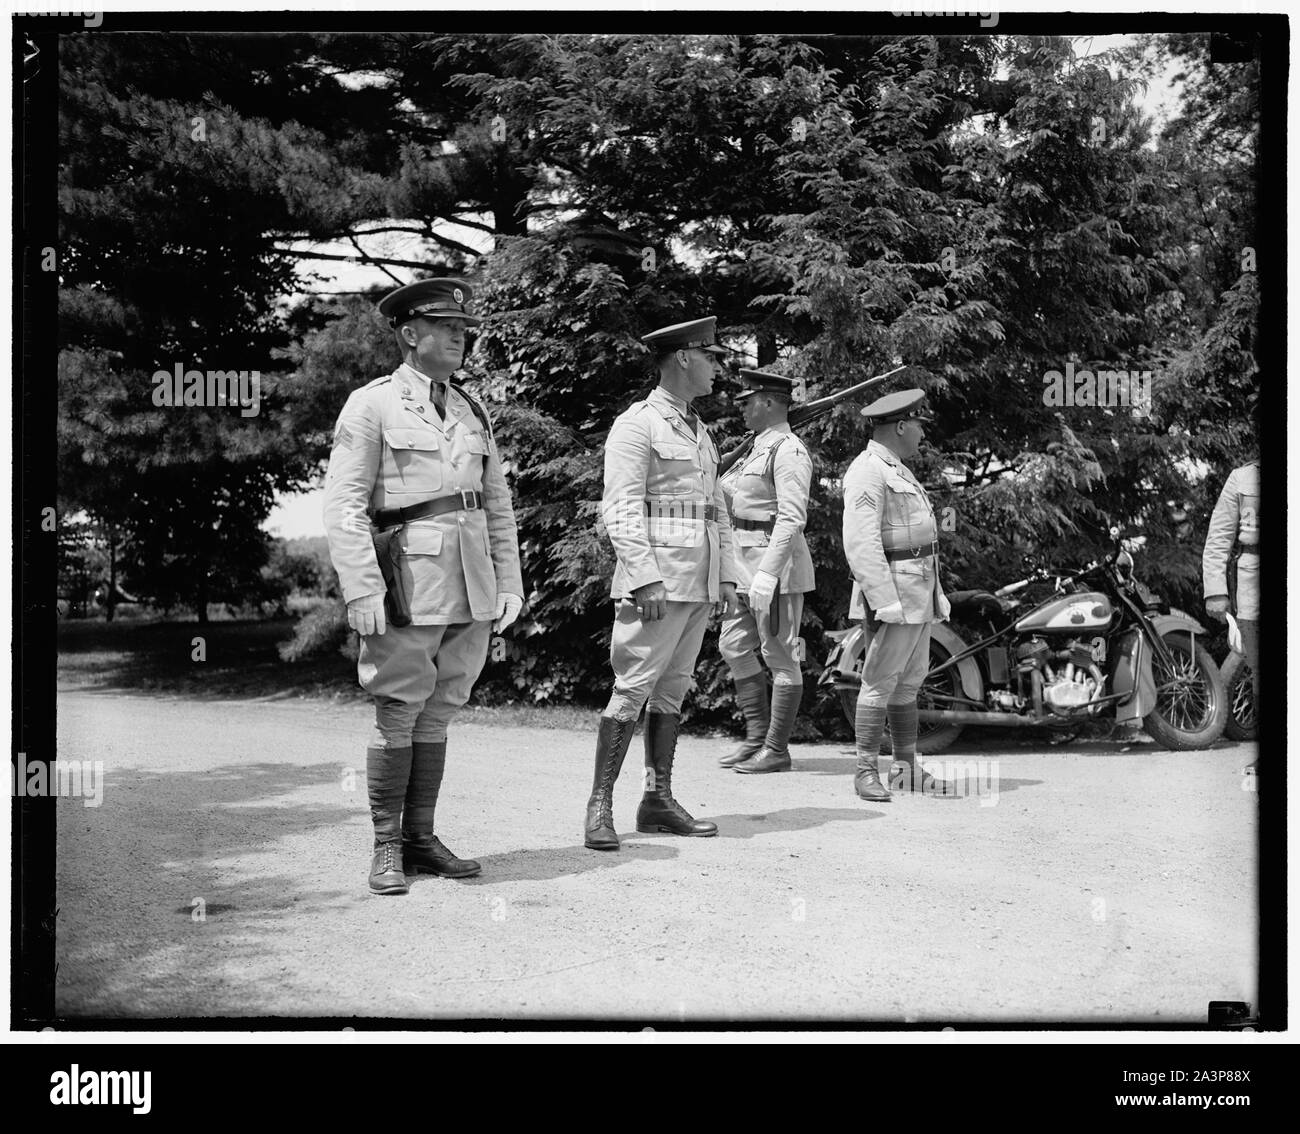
pixel 438 396
pixel 692 419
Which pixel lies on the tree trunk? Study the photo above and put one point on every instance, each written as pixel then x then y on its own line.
pixel 110 600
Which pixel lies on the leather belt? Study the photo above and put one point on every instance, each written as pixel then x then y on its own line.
pixel 466 500
pixel 680 509
pixel 743 525
pixel 894 553
pixel 1247 549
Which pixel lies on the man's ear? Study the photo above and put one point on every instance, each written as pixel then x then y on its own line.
pixel 682 360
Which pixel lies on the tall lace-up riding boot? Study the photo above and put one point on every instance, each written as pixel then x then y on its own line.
pixel 387 771
pixel 658 810
pixel 611 746
pixel 422 851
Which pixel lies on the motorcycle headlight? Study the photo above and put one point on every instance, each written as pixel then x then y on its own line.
pixel 1124 563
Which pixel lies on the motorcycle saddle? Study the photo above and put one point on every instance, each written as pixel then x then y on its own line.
pixel 975 602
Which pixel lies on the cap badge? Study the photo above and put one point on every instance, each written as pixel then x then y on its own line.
pixel 458 295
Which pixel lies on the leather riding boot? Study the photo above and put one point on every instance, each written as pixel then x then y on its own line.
pixel 387 772
pixel 774 756
pixel 611 746
pixel 751 696
pixel 906 774
pixel 869 724
pixel 422 851
pixel 658 810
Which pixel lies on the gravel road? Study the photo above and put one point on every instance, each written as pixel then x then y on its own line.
pixel 224 874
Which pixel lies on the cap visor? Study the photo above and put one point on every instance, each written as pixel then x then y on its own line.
pixel 473 320
pixel 715 349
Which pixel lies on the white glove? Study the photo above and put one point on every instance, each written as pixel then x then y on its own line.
pixel 508 608
pixel 1234 635
pixel 761 591
pixel 366 615
pixel 891 613
pixel 945 608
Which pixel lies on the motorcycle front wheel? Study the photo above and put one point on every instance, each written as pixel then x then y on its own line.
pixel 1243 720
pixel 1191 705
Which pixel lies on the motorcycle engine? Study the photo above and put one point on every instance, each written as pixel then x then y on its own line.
pixel 1070 679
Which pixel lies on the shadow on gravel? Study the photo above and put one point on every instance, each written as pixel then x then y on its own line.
pixel 165 865
pixel 546 864
pixel 793 819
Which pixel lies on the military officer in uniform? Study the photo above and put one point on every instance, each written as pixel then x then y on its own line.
pixel 890 542
pixel 667 519
pixel 1234 525
pixel 767 497
pixel 414 449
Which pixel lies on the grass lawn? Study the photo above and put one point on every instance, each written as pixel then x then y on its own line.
pixel 240 662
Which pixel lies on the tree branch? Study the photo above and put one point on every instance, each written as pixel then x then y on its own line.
pixel 370 260
pixel 376 260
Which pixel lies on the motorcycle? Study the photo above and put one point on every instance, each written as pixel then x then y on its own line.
pixel 1099 647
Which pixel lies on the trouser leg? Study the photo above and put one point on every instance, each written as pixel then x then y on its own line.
pixel 1250 647
pixel 641 654
pixel 460 656
pixel 890 648
pixel 739 644
pixel 908 773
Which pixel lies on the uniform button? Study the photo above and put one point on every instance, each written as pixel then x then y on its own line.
pixel 460 519
pixel 419 409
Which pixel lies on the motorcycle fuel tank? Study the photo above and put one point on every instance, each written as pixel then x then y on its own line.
pixel 1069 614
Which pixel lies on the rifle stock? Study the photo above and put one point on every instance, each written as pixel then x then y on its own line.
pixel 810 411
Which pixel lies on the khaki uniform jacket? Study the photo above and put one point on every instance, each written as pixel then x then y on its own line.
pixel 886 507
pixel 659 476
pixel 1235 520
pixel 782 498
pixel 391 450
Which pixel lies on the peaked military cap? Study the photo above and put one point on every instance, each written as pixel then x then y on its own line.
pixel 432 299
pixel 696 334
pixel 765 382
pixel 898 406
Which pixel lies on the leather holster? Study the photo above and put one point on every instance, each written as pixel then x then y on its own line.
pixel 388 550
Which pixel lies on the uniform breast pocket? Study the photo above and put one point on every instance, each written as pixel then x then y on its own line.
pixel 412 461
pixel 903 503
pixel 673 470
